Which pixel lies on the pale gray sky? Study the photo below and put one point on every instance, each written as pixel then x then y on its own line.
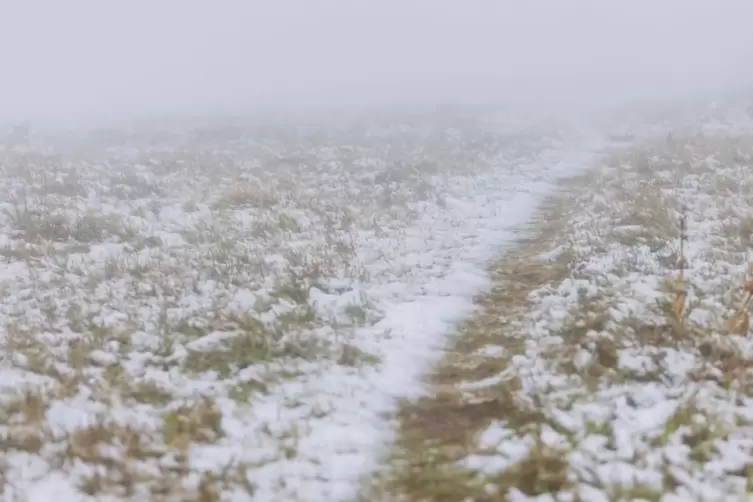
pixel 86 58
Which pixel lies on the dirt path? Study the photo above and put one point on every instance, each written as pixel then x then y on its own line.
pixel 438 431
pixel 603 364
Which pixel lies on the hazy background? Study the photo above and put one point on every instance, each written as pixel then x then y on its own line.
pixel 92 60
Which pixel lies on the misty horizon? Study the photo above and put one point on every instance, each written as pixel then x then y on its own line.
pixel 91 61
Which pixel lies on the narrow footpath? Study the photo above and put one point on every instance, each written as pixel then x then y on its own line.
pixel 611 360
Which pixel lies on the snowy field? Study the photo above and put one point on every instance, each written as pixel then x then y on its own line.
pixel 641 365
pixel 612 359
pixel 228 313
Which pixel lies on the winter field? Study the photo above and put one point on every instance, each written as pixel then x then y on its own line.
pixel 611 359
pixel 247 312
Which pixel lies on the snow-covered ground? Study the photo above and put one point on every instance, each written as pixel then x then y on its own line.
pixel 672 413
pixel 231 313
pixel 628 376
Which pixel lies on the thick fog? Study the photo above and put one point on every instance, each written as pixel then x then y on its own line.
pixel 93 60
